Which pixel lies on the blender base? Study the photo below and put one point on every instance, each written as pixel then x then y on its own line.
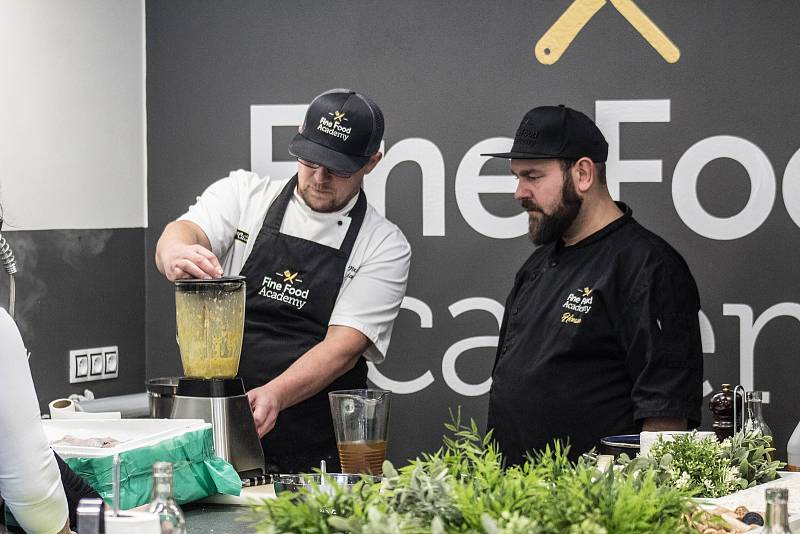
pixel 235 437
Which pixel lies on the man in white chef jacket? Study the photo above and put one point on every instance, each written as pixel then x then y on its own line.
pixel 326 274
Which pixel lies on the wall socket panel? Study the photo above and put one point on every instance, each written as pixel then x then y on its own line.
pixel 86 365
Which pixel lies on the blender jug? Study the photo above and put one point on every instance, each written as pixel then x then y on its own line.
pixel 210 322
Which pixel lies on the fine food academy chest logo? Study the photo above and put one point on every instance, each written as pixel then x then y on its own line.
pixel 285 288
pixel 578 304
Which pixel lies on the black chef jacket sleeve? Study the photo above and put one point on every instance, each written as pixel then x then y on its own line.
pixel 75 489
pixel 660 333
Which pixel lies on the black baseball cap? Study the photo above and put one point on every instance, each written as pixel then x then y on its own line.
pixel 341 130
pixel 557 132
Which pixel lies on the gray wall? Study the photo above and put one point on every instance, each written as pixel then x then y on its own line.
pixel 79 289
pixel 456 73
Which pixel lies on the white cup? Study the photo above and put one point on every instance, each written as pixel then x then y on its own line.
pixel 647 439
pixel 130 522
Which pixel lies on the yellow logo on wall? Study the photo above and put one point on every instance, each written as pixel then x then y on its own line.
pixel 563 31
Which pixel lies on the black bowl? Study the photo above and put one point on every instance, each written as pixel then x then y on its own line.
pixel 622 443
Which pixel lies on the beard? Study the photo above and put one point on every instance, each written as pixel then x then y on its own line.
pixel 322 200
pixel 545 228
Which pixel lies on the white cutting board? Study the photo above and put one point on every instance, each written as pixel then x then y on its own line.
pixel 131 433
pixel 247 497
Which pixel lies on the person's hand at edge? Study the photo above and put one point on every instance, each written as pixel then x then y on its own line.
pixel 266 406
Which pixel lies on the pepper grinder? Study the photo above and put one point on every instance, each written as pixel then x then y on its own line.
pixel 721 405
pixel 724 412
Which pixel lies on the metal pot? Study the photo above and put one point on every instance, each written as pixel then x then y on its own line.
pixel 295 483
pixel 160 393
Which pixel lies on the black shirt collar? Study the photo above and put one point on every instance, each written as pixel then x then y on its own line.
pixel 627 215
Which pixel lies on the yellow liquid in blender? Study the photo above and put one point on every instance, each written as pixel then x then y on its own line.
pixel 210 333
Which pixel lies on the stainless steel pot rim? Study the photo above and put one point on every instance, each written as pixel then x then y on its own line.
pixel 165 385
pixel 622 441
pixel 315 479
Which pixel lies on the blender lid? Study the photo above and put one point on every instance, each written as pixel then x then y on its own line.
pixel 203 285
pixel 223 280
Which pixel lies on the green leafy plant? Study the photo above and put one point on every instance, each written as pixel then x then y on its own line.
pixel 698 465
pixel 464 488
pixel 706 467
pixel 751 453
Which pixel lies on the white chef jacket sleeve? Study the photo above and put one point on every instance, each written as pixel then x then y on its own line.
pixel 219 209
pixel 30 482
pixel 371 300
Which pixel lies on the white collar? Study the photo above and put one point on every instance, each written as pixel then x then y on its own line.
pixel 307 211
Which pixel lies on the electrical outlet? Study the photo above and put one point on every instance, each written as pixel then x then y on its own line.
pixel 78 366
pixel 96 364
pixel 110 362
pixel 100 363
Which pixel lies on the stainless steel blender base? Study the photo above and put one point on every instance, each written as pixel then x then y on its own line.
pixel 235 437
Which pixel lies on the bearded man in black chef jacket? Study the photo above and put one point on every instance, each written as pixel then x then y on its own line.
pixel 600 334
pixel 326 274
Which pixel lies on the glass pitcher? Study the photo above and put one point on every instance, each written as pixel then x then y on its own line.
pixel 210 322
pixel 361 422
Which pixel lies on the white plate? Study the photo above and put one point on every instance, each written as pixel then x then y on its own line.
pixel 794 526
pixel 753 498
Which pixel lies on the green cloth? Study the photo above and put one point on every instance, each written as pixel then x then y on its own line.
pixel 197 473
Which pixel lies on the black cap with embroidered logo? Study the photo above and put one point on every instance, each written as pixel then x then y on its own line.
pixel 557 132
pixel 341 130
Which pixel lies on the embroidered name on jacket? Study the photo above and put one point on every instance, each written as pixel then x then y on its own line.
pixel 242 236
pixel 285 287
pixel 579 303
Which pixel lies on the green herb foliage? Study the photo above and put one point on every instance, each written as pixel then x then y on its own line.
pixel 463 488
pixel 751 453
pixel 706 467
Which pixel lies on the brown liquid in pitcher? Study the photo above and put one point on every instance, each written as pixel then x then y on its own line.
pixel 362 456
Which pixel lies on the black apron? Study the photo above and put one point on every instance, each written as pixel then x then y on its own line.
pixel 292 286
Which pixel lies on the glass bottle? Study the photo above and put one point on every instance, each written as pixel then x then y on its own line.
pixel 754 418
pixel 162 503
pixel 777 517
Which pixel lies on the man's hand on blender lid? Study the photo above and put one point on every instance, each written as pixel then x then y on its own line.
pixel 191 261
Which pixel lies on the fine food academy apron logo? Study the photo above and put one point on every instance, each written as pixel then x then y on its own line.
pixel 579 305
pixel 283 289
